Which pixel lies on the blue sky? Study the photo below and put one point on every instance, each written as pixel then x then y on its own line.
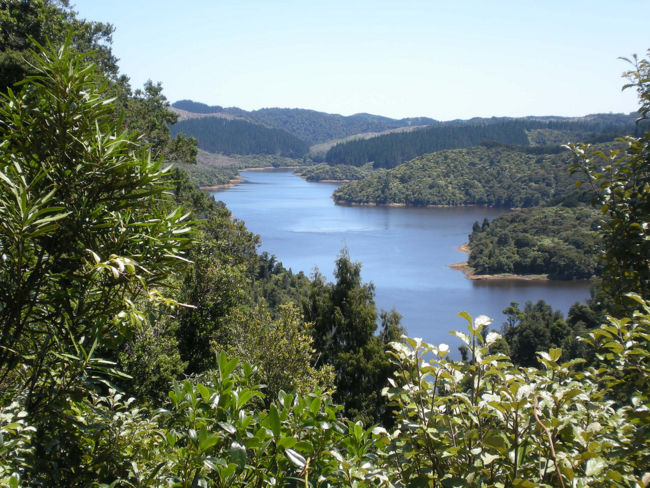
pixel 446 60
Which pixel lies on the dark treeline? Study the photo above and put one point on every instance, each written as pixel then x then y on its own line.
pixel 390 150
pixel 218 135
pixel 488 174
pixel 558 241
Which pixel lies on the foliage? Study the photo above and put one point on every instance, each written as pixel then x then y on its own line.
pixel 41 20
pixel 26 25
pixel 90 243
pixel 84 233
pixel 280 348
pixel 539 328
pixel 215 284
pixel 489 174
pixel 560 242
pixel 206 176
pixel 339 172
pixel 390 150
pixel 620 182
pixel 213 436
pixel 489 423
pixel 344 321
pixel 228 283
pixel 276 285
pixel 146 112
pixel 269 161
pixel 219 135
pixel 16 446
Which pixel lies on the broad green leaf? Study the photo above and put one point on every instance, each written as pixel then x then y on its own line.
pixel 274 421
pixel 237 454
pixel 595 466
pixel 295 458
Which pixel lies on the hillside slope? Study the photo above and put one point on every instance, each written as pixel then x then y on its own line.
pixel 220 135
pixel 492 175
pixel 309 125
pixel 390 150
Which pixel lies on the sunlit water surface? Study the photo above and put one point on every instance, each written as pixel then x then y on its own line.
pixel 406 252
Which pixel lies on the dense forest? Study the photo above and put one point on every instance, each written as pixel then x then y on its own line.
pixel 488 174
pixel 339 172
pixel 206 176
pixel 390 150
pixel 308 125
pixel 558 241
pixel 145 342
pixel 225 136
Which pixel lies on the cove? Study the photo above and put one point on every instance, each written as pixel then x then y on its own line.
pixel 405 252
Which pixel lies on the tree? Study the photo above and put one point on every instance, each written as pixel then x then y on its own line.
pixel 215 284
pixel 22 22
pixel 536 328
pixel 620 183
pixel 344 321
pixel 26 24
pixel 146 112
pixel 281 349
pixel 87 236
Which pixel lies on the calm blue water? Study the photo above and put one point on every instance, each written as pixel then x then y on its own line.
pixel 405 251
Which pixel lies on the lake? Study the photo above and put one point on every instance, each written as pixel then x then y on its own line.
pixel 406 252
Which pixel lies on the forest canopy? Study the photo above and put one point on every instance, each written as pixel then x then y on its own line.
pixel 560 242
pixel 488 174
pixel 390 150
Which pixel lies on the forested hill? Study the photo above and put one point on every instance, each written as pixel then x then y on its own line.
pixel 411 137
pixel 219 135
pixel 389 150
pixel 309 125
pixel 488 174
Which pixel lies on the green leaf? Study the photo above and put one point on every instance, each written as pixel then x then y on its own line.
pixel 228 427
pixel 295 458
pixel 287 442
pixel 237 454
pixel 467 317
pixel 595 466
pixel 555 354
pixel 462 336
pixel 274 421
pixel 207 441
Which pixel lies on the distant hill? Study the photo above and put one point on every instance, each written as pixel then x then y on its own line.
pixel 362 138
pixel 390 150
pixel 220 135
pixel 309 125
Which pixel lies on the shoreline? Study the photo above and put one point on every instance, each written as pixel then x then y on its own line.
pixel 325 181
pixel 239 180
pixel 230 184
pixel 403 205
pixel 470 275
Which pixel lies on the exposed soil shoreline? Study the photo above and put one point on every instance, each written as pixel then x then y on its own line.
pixel 400 205
pixel 470 275
pixel 327 181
